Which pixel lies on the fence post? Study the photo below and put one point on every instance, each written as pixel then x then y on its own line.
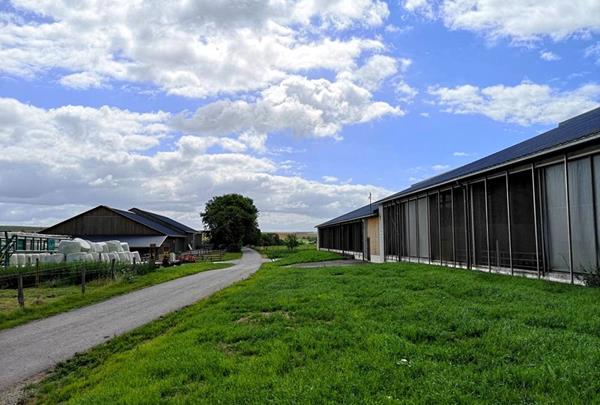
pixel 20 293
pixel 83 280
pixel 133 269
pixel 37 272
pixel 112 269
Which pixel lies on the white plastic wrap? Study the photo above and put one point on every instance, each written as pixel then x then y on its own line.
pixel 136 256
pixel 102 247
pixel 104 257
pixel 13 261
pixel 114 246
pixel 69 246
pixel 77 257
pixel 84 244
pixel 125 246
pixel 58 258
pixel 123 257
pixel 20 259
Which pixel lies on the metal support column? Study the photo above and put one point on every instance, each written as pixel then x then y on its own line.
pixel 453 231
pixel 487 224
pixel 535 221
pixel 568 218
pixel 508 215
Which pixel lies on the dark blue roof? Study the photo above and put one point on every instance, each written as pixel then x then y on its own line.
pixel 567 132
pixel 161 218
pixel 366 211
pixel 147 222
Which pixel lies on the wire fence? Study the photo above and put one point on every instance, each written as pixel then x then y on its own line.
pixel 65 274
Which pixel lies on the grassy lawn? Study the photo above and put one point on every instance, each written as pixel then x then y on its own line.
pixel 361 334
pixel 302 254
pixel 231 256
pixel 45 301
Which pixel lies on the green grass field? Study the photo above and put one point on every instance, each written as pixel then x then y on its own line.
pixel 361 334
pixel 231 256
pixel 46 301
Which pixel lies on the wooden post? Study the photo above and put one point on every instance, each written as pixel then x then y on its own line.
pixel 83 280
pixel 20 293
pixel 112 269
pixel 133 268
pixel 37 272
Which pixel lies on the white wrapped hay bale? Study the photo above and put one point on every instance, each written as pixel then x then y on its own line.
pixel 58 258
pixel 45 258
pixel 172 257
pixel 125 246
pixel 84 245
pixel 13 261
pixel 104 257
pixel 102 247
pixel 123 257
pixel 136 256
pixel 77 257
pixel 21 260
pixel 114 246
pixel 69 246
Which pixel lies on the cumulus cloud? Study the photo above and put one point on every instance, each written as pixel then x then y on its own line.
pixel 58 162
pixel 194 49
pixel 520 20
pixel 318 108
pixel 523 104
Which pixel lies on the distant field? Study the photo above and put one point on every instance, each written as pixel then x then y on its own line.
pixel 300 235
pixel 372 333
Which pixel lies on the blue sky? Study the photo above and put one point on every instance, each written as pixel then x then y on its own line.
pixel 306 107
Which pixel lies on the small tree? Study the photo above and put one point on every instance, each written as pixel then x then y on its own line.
pixel 291 241
pixel 232 221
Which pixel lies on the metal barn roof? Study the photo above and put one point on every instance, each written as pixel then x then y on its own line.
pixel 363 212
pixel 148 222
pixel 161 218
pixel 578 128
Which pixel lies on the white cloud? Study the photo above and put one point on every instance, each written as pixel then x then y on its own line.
pixel 318 108
pixel 523 104
pixel 58 162
pixel 83 80
pixel 520 20
pixel 376 69
pixel 423 7
pixel 440 168
pixel 194 49
pixel 404 92
pixel 549 56
pixel 593 51
pixel 330 179
pixel 460 154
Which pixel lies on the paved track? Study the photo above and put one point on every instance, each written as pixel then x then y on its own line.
pixel 37 346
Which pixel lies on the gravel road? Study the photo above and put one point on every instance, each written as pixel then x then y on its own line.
pixel 37 346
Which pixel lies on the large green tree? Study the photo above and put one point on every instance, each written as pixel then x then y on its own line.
pixel 232 220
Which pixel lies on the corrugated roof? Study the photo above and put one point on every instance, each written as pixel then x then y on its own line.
pixel 148 222
pixel 366 211
pixel 170 222
pixel 132 241
pixel 575 129
pixel 569 131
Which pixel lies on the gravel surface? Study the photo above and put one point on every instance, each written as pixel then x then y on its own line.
pixel 32 348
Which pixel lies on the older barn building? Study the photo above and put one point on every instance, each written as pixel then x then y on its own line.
pixel 141 229
pixel 532 209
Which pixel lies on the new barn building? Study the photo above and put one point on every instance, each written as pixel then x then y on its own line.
pixel 142 230
pixel 532 209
